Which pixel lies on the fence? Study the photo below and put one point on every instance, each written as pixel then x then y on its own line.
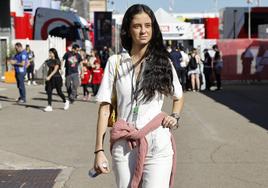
pixel 40 48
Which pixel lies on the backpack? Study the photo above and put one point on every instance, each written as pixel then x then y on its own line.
pixel 192 63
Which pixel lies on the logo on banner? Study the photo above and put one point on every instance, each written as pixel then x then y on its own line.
pixel 180 28
pixel 164 28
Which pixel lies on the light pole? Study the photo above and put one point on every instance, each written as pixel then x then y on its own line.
pixel 249 18
pixel 216 5
pixel 234 14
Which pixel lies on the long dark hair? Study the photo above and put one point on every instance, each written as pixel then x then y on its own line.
pixel 54 51
pixel 157 74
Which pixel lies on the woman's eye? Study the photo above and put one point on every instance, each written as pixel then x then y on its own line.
pixel 136 26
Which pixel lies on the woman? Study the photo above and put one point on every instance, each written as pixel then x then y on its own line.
pixel 143 76
pixel 54 79
pixel 194 70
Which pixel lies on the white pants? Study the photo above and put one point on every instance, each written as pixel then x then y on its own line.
pixel 157 167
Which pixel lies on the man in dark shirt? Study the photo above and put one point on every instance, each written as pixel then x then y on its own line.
pixel 176 59
pixel 217 65
pixel 72 61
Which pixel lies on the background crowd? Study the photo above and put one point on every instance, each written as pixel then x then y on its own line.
pixel 196 70
pixel 76 68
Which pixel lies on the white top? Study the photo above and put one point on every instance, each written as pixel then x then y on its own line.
pixel 185 59
pixel 160 138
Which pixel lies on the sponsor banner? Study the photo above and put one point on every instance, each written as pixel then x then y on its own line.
pixel 243 59
pixel 176 31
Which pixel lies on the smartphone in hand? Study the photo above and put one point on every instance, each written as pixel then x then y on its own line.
pixel 93 173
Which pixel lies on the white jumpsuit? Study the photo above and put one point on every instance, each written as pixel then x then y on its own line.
pixel 158 162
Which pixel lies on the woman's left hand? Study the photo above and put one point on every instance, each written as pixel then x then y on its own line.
pixel 47 78
pixel 169 122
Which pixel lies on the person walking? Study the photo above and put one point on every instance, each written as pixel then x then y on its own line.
pixel 85 81
pixel 54 79
pixel 30 66
pixel 207 68
pixel 19 61
pixel 97 74
pixel 176 59
pixel 141 141
pixel 217 66
pixel 72 62
pixel 183 69
pixel 194 70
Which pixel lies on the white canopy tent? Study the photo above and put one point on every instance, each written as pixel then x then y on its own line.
pixel 171 28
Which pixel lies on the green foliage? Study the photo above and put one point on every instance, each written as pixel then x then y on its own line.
pixel 11 52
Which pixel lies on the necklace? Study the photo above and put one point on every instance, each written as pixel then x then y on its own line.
pixel 137 73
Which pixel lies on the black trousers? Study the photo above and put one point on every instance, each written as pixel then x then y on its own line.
pixel 85 89
pixel 49 89
pixel 218 78
pixel 30 72
pixel 182 77
pixel 95 88
pixel 208 74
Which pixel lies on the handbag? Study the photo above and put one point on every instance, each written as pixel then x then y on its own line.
pixel 113 105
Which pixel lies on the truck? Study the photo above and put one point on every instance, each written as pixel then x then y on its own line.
pixel 64 24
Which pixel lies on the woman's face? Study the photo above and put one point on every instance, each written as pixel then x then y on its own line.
pixel 141 29
pixel 51 55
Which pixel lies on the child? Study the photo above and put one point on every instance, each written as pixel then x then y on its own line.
pixel 97 77
pixel 85 80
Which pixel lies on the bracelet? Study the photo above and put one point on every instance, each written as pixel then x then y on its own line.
pixel 177 117
pixel 97 151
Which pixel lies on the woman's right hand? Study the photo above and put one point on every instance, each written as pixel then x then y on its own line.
pixel 101 164
pixel 47 78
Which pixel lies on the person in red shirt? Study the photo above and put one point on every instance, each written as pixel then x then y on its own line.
pixel 86 78
pixel 97 75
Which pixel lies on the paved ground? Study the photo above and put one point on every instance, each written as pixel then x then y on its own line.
pixel 222 142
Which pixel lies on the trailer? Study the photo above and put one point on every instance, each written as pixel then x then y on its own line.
pixel 64 24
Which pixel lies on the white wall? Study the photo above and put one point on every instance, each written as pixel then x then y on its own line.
pixel 40 48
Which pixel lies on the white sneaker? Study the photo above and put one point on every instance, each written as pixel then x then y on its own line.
pixel 48 109
pixel 34 83
pixel 29 83
pixel 66 105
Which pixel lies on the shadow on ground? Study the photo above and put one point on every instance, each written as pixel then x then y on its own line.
pixel 7 99
pixel 249 100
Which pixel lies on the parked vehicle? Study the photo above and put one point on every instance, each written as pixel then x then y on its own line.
pixel 64 24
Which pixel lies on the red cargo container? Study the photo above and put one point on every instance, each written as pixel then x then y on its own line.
pixel 23 26
pixel 212 28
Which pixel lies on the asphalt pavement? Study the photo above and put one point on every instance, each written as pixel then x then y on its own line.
pixel 222 141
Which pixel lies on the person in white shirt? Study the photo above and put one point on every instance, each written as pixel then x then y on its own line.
pixel 184 63
pixel 144 76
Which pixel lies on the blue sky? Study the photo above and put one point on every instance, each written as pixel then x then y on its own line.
pixel 182 5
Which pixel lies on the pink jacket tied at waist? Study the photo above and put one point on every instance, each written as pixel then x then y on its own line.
pixel 123 130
